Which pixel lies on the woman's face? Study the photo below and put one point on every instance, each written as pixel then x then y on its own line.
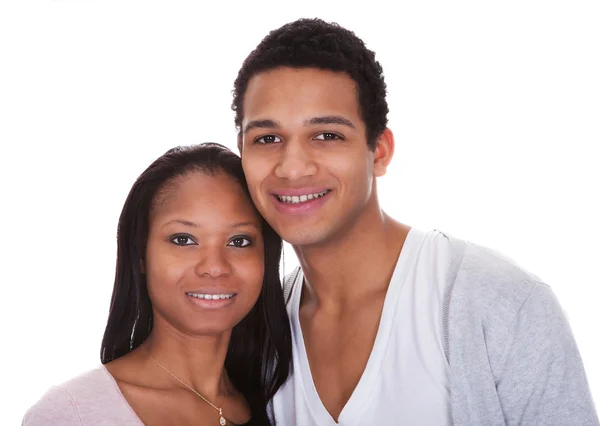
pixel 204 258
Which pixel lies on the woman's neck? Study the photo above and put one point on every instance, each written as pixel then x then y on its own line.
pixel 198 361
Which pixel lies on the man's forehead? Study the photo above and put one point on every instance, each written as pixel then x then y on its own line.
pixel 268 98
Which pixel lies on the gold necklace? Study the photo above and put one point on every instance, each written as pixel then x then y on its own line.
pixel 222 420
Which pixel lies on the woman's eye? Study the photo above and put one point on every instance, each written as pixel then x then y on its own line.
pixel 267 139
pixel 183 240
pixel 327 137
pixel 240 242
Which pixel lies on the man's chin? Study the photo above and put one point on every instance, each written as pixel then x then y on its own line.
pixel 299 236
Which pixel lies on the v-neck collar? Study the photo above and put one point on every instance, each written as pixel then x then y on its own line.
pixel 361 394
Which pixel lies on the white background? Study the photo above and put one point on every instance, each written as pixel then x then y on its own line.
pixel 495 107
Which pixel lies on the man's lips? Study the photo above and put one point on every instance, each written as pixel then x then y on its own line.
pixel 303 198
pixel 302 202
pixel 298 191
pixel 299 195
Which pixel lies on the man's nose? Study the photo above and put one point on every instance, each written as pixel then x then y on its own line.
pixel 296 161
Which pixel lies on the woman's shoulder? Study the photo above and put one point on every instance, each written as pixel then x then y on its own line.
pixel 55 407
pixel 83 400
pixel 61 404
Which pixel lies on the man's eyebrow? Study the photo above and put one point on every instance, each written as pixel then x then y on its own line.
pixel 326 119
pixel 330 119
pixel 261 124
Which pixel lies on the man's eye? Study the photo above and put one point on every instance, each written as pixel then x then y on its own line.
pixel 240 242
pixel 183 240
pixel 268 139
pixel 327 137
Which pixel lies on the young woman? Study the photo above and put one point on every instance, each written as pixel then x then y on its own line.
pixel 197 332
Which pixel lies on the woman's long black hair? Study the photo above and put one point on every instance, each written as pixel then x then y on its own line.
pixel 259 356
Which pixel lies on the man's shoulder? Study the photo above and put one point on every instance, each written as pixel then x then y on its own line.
pixel 487 281
pixel 291 276
pixel 289 282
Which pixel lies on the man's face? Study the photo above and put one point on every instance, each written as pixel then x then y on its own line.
pixel 305 153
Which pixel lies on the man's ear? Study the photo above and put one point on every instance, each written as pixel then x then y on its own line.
pixel 384 151
pixel 240 142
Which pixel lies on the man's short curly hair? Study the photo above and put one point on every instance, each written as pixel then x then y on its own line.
pixel 314 43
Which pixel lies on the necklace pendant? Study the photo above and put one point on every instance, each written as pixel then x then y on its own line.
pixel 222 421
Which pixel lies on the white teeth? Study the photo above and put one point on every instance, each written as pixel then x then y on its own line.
pixel 296 199
pixel 210 296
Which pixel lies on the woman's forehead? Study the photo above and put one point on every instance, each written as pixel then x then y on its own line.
pixel 200 198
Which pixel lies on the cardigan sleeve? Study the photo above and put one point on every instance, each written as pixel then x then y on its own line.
pixel 542 380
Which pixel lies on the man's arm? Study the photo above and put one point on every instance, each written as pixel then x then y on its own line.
pixel 542 380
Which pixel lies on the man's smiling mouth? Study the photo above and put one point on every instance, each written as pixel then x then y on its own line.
pixel 297 199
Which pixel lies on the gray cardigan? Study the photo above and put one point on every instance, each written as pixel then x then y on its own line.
pixel 513 359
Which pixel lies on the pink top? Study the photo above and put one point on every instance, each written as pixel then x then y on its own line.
pixel 90 399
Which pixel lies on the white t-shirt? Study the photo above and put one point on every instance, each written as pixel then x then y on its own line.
pixel 406 379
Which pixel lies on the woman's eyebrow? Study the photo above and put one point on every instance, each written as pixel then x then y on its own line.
pixel 182 222
pixel 191 224
pixel 245 224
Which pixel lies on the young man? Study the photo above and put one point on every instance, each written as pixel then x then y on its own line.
pixel 391 325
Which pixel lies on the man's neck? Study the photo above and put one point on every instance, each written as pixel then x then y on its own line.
pixel 358 263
